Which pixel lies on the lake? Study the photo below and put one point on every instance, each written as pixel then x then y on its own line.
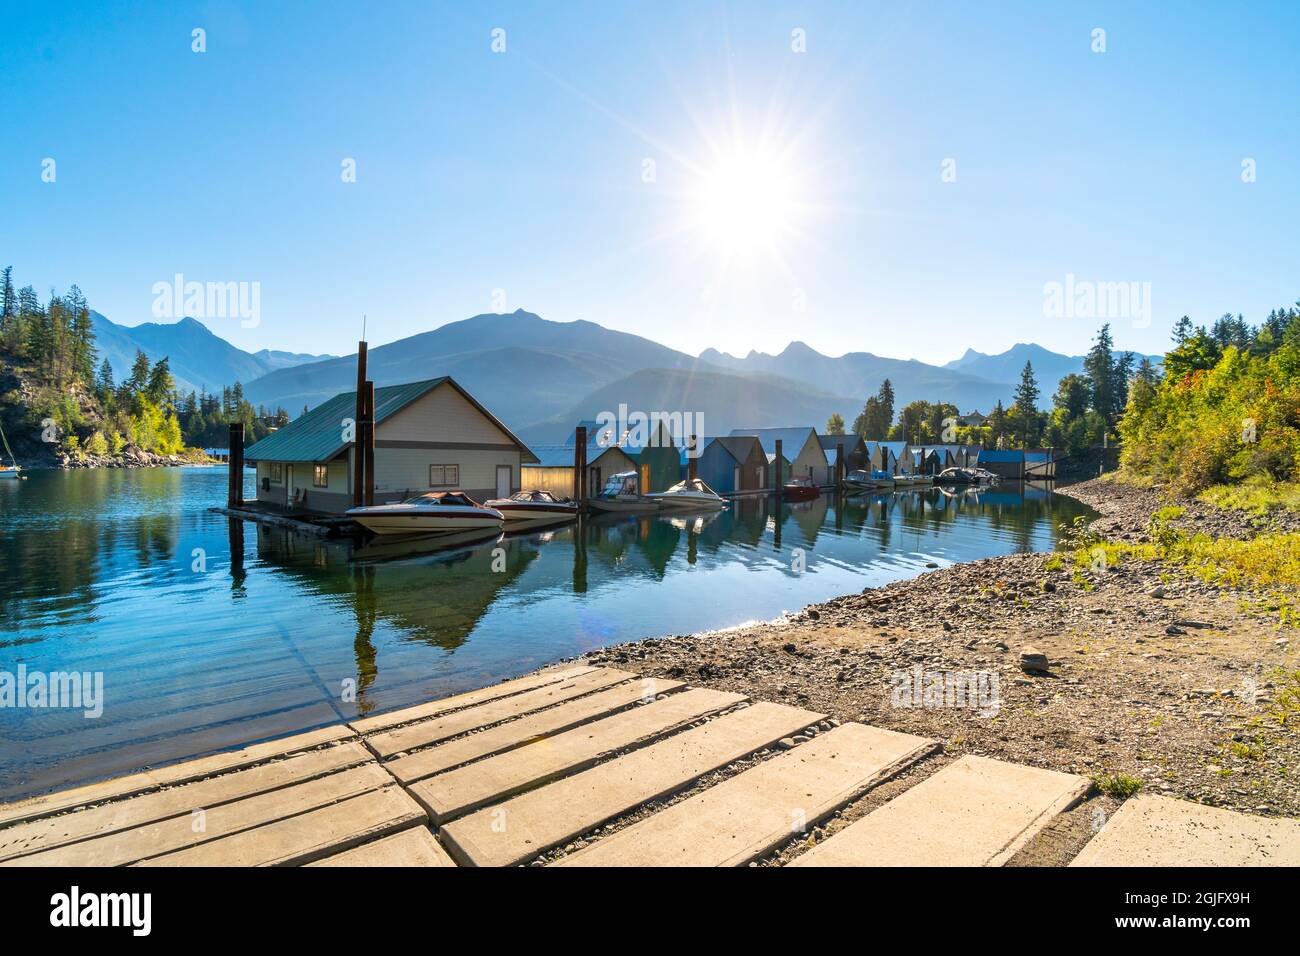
pixel 211 632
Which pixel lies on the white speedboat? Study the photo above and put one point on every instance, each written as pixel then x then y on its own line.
pixel 429 512
pixel 622 494
pixel 692 493
pixel 523 505
pixel 13 473
pixel 912 481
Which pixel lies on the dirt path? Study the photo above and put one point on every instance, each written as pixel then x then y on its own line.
pixel 1150 675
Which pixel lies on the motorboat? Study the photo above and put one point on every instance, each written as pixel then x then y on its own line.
pixel 965 476
pixel 429 512
pixel 862 480
pixel 692 493
pixel 800 489
pixel 912 481
pixel 524 505
pixel 622 494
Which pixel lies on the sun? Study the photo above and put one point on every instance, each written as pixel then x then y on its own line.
pixel 746 202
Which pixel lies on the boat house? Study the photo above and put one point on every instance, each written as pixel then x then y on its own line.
pixel 553 470
pixel 733 465
pixel 799 447
pixel 856 455
pixel 430 435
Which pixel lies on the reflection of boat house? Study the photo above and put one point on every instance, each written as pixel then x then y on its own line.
pixel 430 435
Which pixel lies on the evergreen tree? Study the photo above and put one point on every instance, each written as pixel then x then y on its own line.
pixel 1026 403
pixel 835 424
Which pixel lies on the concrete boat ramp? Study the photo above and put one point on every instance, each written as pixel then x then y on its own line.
pixel 634 771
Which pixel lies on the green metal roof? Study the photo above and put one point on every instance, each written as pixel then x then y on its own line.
pixel 318 435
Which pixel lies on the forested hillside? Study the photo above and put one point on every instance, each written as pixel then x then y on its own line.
pixel 60 402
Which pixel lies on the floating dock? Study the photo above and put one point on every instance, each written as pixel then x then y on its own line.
pixel 617 769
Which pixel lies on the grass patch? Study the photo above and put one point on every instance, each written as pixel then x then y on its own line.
pixel 1269 563
pixel 1117 784
pixel 1258 496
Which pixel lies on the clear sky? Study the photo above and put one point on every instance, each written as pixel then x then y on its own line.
pixel 797 187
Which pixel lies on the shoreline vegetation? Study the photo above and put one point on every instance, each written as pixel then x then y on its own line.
pixel 62 410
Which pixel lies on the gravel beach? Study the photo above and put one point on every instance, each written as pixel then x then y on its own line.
pixel 1136 673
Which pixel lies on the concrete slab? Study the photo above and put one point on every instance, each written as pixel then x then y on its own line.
pixel 165 836
pixel 459 791
pixel 369 725
pixel 750 814
pixel 529 824
pixel 427 732
pixel 526 730
pixel 310 836
pixel 975 812
pixel 49 832
pixel 45 805
pixel 413 847
pixel 1162 831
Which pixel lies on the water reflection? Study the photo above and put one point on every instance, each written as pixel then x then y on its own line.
pixel 212 632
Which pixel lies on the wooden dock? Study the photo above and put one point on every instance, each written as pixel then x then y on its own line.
pixel 618 770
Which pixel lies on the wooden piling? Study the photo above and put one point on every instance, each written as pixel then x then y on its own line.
pixel 580 464
pixel 235 478
pixel 841 469
pixel 370 443
pixel 358 416
pixel 777 480
pixel 692 462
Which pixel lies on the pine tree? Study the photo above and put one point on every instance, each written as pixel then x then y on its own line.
pixel 835 424
pixel 1026 404
pixel 1182 330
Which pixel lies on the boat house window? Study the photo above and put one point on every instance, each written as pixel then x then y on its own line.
pixel 320 475
pixel 277 472
pixel 447 476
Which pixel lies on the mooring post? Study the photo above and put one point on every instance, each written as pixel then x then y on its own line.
pixel 370 443
pixel 841 467
pixel 579 463
pixel 778 480
pixel 235 488
pixel 692 462
pixel 358 416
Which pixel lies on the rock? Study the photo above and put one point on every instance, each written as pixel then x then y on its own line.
pixel 786 742
pixel 1174 630
pixel 1032 659
pixel 1158 591
pixel 789 648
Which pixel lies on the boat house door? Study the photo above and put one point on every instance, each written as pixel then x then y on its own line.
pixel 645 479
pixel 288 485
pixel 503 481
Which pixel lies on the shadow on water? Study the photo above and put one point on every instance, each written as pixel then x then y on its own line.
pixel 211 632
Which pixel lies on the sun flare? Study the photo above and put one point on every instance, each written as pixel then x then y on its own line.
pixel 747 202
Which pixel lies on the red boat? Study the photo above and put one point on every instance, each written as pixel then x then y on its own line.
pixel 800 489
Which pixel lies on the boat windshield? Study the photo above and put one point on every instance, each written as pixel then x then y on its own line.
pixel 620 484
pixel 431 498
pixel 540 496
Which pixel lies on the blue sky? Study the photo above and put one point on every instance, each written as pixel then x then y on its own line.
pixel 794 195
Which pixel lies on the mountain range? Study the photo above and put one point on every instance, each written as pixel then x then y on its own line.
pixel 541 376
pixel 198 358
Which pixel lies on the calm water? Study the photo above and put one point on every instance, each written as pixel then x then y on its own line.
pixel 211 632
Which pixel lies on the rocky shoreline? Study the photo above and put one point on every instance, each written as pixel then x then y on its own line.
pixel 1138 675
pixel 130 458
